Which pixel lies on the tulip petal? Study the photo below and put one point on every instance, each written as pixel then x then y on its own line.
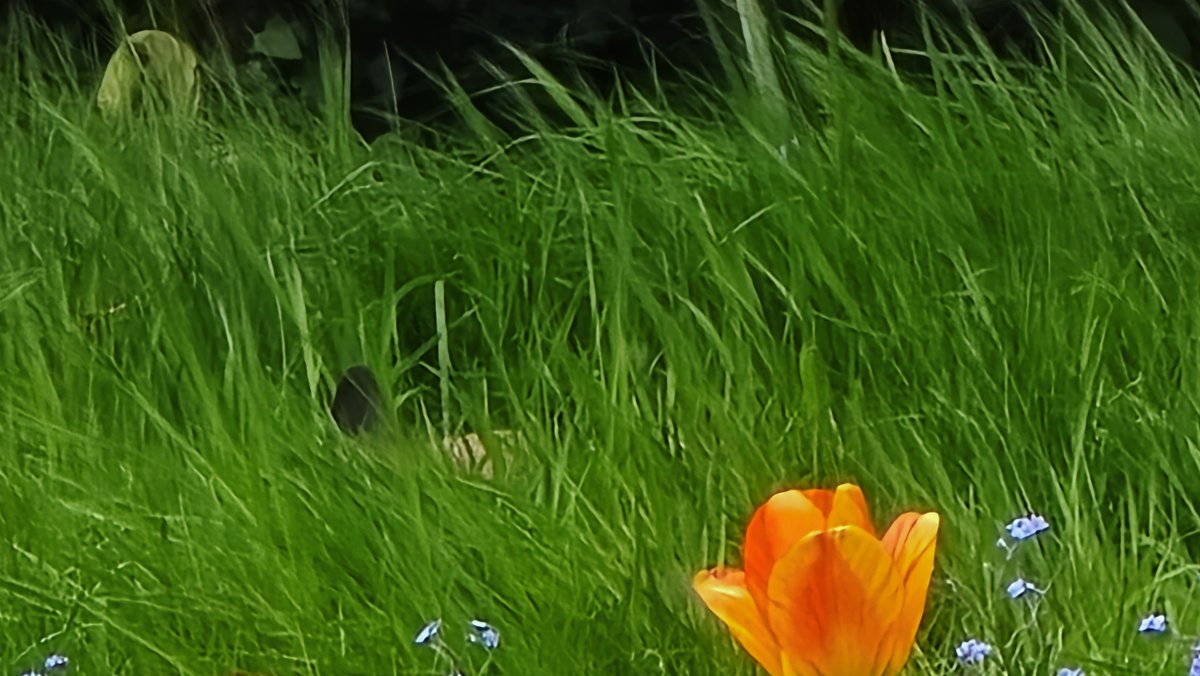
pixel 849 508
pixel 778 524
pixel 833 601
pixel 898 532
pixel 793 666
pixel 911 542
pixel 821 498
pixel 724 592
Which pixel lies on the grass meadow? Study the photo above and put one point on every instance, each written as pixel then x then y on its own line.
pixel 976 292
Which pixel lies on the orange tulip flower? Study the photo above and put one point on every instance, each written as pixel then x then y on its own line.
pixel 820 594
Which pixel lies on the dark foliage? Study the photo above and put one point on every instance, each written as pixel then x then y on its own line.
pixel 358 401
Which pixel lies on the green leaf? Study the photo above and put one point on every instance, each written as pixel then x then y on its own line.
pixel 277 40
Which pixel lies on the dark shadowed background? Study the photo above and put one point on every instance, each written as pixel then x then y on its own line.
pixel 392 43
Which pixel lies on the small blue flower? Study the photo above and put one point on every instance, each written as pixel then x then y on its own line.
pixel 1194 670
pixel 56 663
pixel 1065 671
pixel 483 634
pixel 1025 527
pixel 1153 624
pixel 1021 587
pixel 972 651
pixel 428 633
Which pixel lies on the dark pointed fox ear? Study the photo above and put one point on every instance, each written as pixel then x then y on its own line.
pixel 358 402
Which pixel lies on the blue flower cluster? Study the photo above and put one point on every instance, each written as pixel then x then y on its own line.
pixel 53 665
pixel 483 634
pixel 1021 529
pixel 973 652
pixel 1154 623
pixel 479 633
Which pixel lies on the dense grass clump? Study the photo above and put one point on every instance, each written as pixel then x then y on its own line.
pixel 975 293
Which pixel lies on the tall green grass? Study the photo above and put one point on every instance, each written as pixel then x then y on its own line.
pixel 975 293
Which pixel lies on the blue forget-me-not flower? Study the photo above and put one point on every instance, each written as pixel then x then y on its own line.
pixel 1021 587
pixel 54 664
pixel 1025 527
pixel 428 633
pixel 1153 624
pixel 483 634
pixel 972 651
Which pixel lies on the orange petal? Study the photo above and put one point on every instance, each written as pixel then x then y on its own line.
pixel 911 542
pixel 799 667
pixel 833 600
pixel 822 499
pixel 898 532
pixel 849 508
pixel 777 525
pixel 724 592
